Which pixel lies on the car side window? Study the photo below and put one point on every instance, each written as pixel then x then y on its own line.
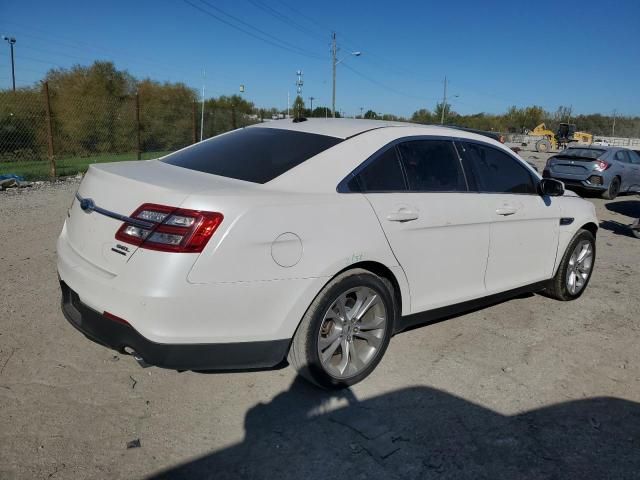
pixel 495 171
pixel 622 156
pixel 432 166
pixel 635 158
pixel 383 174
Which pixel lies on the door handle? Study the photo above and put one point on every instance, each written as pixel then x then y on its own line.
pixel 506 211
pixel 403 215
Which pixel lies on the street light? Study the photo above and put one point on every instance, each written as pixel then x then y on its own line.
pixel 334 56
pixel 12 41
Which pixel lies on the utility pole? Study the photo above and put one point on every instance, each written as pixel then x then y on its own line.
pixel 361 109
pixel 288 104
pixel 202 112
pixel 334 61
pixel 444 101
pixel 12 41
pixel 613 127
pixel 311 99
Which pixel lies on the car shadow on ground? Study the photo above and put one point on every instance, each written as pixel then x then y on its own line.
pixel 628 208
pixel 420 432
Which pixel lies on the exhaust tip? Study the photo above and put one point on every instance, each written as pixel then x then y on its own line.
pixel 130 351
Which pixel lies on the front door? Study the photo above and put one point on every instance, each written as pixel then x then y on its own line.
pixel 524 225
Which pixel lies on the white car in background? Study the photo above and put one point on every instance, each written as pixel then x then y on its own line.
pixel 602 143
pixel 313 242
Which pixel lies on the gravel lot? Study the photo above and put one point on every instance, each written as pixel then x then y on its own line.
pixel 529 388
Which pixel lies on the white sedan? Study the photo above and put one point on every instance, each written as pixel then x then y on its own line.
pixel 311 242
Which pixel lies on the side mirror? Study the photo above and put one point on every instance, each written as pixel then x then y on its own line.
pixel 551 187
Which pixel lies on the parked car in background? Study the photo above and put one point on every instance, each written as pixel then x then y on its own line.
pixel 312 242
pixel 600 142
pixel 606 170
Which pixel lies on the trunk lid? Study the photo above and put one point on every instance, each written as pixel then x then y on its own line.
pixel 121 188
pixel 572 165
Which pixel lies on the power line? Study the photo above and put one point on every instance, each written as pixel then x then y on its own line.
pixel 309 19
pixel 276 42
pixel 94 51
pixel 285 19
pixel 384 86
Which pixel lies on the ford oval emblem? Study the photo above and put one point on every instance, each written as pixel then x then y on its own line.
pixel 87 205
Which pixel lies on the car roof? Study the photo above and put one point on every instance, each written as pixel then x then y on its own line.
pixel 349 127
pixel 596 147
pixel 363 138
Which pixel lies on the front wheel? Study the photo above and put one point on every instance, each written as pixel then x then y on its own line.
pixel 345 331
pixel 575 268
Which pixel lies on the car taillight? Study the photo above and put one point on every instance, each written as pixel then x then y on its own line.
pixel 601 165
pixel 169 229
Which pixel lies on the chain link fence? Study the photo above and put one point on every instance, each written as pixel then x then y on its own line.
pixel 52 133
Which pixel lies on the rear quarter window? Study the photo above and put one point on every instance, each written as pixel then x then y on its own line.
pixel 252 154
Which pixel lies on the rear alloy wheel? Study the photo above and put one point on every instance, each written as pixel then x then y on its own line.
pixel 575 269
pixel 346 330
pixel 613 190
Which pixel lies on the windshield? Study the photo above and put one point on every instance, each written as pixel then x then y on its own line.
pixel 582 152
pixel 252 154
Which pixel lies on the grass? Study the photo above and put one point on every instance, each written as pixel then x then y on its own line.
pixel 39 170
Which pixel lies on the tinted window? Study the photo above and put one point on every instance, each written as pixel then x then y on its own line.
pixel 635 157
pixel 432 166
pixel 495 171
pixel 582 152
pixel 383 174
pixel 252 154
pixel 622 156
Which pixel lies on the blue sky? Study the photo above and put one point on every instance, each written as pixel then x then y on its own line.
pixel 495 53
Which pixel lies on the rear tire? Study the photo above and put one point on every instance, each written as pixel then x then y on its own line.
pixel 341 339
pixel 613 190
pixel 571 266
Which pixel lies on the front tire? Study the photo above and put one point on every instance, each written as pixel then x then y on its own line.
pixel 575 268
pixel 543 146
pixel 346 330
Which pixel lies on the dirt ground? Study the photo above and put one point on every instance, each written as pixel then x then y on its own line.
pixel 529 388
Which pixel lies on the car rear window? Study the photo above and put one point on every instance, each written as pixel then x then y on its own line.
pixel 582 152
pixel 252 154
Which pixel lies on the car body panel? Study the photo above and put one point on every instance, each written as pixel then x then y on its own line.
pixel 523 244
pixel 444 251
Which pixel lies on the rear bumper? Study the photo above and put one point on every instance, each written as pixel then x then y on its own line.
pixel 573 181
pixel 221 356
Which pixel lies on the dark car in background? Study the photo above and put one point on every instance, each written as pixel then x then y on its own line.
pixel 606 170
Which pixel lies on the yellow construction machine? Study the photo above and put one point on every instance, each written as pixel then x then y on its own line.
pixel 566 134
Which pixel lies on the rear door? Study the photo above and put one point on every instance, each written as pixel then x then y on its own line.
pixel 626 170
pixel 635 167
pixel 524 225
pixel 438 231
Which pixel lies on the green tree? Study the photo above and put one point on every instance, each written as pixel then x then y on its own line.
pixel 370 115
pixel 93 108
pixel 438 112
pixel 298 108
pixel 165 115
pixel 321 112
pixel 422 116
